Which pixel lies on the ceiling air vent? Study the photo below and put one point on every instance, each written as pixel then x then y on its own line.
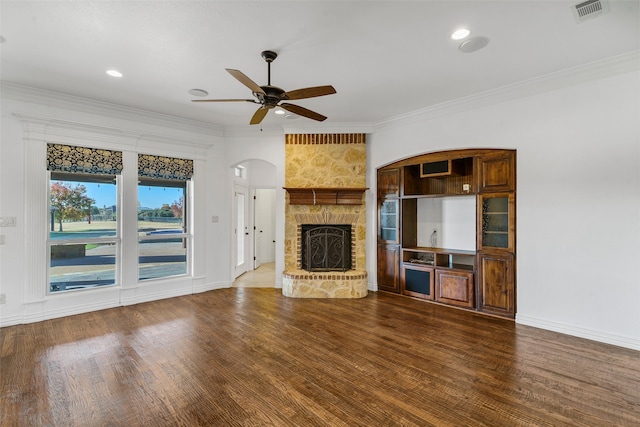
pixel 589 9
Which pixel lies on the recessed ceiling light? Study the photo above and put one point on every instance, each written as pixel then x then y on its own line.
pixel 198 92
pixel 460 34
pixel 114 73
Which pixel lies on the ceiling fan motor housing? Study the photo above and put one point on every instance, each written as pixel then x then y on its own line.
pixel 271 96
pixel 269 55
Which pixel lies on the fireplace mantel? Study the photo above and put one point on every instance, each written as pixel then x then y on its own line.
pixel 325 196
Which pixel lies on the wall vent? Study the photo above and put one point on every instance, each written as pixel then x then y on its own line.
pixel 589 9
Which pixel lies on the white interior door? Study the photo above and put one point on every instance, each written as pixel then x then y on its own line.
pixel 264 215
pixel 241 229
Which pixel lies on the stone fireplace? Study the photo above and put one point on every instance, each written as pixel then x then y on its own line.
pixel 325 178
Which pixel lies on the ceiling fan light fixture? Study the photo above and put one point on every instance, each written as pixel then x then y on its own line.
pixel 460 34
pixel 279 111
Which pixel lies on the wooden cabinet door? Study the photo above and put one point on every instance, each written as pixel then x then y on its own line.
pixel 388 264
pixel 496 172
pixel 417 281
pixel 497 284
pixel 388 183
pixel 454 287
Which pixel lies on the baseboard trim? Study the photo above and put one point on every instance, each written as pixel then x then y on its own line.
pixel 205 287
pixel 563 328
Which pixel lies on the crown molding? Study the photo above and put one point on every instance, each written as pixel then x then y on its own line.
pixel 35 95
pixel 48 129
pixel 616 65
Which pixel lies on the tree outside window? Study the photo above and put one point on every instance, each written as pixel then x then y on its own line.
pixel 70 202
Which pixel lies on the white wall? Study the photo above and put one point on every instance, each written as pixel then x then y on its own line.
pixel 577 137
pixel 454 219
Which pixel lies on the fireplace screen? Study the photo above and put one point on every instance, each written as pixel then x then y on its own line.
pixel 326 247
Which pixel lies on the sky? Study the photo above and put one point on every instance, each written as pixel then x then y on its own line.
pixel 148 197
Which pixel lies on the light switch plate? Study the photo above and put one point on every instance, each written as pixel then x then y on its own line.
pixel 7 221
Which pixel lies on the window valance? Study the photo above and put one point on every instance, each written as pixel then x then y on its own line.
pixel 74 159
pixel 159 167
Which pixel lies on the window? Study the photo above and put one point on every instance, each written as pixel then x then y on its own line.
pixel 163 238
pixel 85 219
pixel 83 238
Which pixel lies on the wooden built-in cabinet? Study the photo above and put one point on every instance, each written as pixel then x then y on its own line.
pixel 413 259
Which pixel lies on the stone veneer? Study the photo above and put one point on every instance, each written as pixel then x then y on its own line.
pixel 325 161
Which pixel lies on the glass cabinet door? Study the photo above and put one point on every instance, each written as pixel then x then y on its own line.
pixel 388 221
pixel 497 221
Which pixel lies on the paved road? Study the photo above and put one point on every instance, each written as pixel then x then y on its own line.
pixel 97 267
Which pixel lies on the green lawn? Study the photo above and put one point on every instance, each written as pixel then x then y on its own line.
pixel 111 225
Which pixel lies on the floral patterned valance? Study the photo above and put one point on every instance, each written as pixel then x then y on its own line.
pixel 159 167
pixel 68 158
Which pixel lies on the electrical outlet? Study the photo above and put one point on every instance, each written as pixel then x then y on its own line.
pixel 466 188
pixel 3 298
pixel 7 221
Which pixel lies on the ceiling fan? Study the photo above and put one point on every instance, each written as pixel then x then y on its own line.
pixel 271 96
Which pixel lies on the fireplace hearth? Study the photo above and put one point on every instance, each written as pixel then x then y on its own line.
pixel 326 247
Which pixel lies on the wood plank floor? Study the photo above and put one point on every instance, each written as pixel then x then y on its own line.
pixel 251 357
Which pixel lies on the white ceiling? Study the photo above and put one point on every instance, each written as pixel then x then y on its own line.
pixel 385 58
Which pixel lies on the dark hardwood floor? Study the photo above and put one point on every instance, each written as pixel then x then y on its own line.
pixel 251 357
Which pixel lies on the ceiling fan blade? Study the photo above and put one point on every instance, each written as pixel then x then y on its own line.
pixel 310 92
pixel 301 111
pixel 224 100
pixel 258 116
pixel 242 78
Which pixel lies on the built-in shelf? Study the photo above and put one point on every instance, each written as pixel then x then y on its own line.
pixel 460 199
pixel 440 257
pixel 325 196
